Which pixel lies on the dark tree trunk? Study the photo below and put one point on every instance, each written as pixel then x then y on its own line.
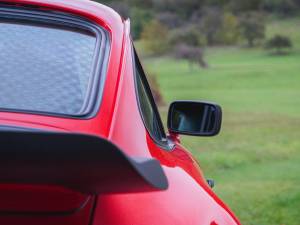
pixel 250 42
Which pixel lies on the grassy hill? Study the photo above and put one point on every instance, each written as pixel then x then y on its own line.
pixel 256 159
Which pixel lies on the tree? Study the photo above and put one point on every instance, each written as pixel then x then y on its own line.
pixel 170 20
pixel 217 26
pixel 279 43
pixel 139 19
pixel 194 55
pixel 183 8
pixel 138 11
pixel 121 7
pixel 245 5
pixel 282 7
pixel 229 33
pixel 155 38
pixel 189 35
pixel 210 23
pixel 252 27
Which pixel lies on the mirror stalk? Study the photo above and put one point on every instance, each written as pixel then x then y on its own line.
pixel 174 136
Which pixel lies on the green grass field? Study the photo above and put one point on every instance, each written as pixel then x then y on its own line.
pixel 255 161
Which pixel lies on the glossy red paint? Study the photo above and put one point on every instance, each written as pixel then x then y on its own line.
pixel 188 200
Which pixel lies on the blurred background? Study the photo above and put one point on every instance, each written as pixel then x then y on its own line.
pixel 244 55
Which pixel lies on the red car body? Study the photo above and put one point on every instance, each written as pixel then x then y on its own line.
pixel 188 198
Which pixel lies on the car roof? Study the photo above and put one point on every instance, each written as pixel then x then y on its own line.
pixel 93 10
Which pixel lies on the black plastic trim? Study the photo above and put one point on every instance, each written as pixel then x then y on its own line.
pixel 65 20
pixel 84 163
pixel 166 144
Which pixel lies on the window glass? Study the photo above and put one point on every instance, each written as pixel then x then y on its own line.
pixel 148 108
pixel 45 68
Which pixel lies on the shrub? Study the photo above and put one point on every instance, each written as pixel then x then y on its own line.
pixel 279 43
pixel 155 89
pixel 155 38
pixel 252 27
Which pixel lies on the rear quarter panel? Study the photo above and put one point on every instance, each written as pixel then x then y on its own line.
pixel 188 200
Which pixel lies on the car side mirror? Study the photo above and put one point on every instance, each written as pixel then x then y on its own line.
pixel 194 118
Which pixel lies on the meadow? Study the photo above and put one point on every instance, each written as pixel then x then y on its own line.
pixel 255 161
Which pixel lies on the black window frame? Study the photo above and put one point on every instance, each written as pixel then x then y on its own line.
pixel 164 142
pixel 29 15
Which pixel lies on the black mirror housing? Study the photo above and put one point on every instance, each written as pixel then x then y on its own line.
pixel 194 118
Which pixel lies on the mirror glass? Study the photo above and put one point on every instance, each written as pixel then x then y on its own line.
pixel 195 118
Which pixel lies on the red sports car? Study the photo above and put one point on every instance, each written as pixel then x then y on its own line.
pixel 81 139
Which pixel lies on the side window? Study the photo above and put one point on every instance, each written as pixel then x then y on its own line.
pixel 147 105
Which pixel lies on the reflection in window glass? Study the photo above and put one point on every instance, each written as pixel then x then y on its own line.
pixel 44 69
